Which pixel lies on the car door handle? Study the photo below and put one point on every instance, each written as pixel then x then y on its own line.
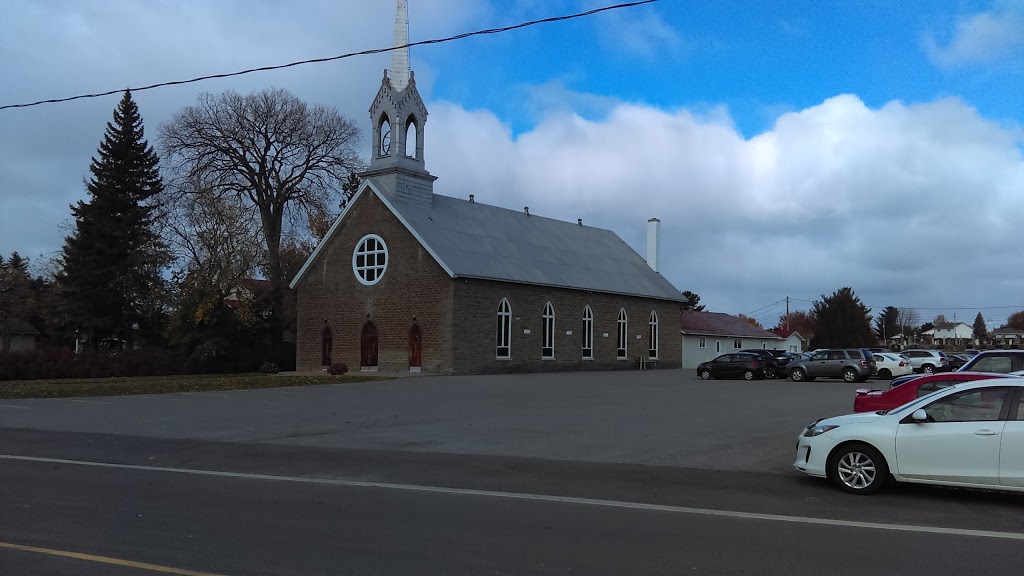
pixel 984 432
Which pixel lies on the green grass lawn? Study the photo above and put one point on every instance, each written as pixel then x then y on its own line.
pixel 166 384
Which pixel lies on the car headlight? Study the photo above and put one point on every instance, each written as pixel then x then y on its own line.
pixel 818 429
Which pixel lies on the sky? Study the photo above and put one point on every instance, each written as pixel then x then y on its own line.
pixel 790 148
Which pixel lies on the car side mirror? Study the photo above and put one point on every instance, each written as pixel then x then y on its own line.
pixel 919 415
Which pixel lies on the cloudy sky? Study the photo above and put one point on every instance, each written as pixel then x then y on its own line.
pixel 789 147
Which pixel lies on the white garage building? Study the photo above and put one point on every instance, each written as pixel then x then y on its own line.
pixel 708 334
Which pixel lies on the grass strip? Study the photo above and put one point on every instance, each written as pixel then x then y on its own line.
pixel 23 389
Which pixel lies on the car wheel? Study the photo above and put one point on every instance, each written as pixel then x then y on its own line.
pixel 769 372
pixel 850 375
pixel 705 374
pixel 885 373
pixel 928 369
pixel 798 375
pixel 748 375
pixel 858 469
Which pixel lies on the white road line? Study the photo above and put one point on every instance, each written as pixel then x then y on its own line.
pixel 545 498
pixel 13 406
pixel 91 402
pixel 205 394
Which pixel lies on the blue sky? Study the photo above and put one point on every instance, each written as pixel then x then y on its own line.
pixel 790 148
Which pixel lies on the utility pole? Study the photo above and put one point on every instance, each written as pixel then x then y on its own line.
pixel 787 314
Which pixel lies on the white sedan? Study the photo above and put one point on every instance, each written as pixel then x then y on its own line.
pixel 892 365
pixel 969 434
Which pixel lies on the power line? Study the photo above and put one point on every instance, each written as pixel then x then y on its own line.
pixel 1017 307
pixel 339 57
pixel 765 307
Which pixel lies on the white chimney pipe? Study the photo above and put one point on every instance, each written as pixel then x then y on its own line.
pixel 654 244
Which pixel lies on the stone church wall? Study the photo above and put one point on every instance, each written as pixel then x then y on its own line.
pixel 414 289
pixel 475 330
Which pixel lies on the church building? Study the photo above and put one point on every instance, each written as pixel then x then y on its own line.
pixel 410 280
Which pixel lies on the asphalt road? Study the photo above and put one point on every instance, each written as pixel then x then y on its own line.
pixel 660 417
pixel 624 473
pixel 213 508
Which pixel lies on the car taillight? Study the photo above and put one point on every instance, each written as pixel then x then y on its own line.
pixel 901 363
pixel 756 364
pixel 942 360
pixel 864 363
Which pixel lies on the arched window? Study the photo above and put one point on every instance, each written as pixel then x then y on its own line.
pixel 588 333
pixel 384 131
pixel 410 137
pixel 621 339
pixel 652 336
pixel 547 349
pixel 504 338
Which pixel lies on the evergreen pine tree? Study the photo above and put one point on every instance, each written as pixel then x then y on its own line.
pixel 113 259
pixel 842 321
pixel 980 329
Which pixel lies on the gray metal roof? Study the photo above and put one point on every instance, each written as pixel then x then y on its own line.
pixel 477 240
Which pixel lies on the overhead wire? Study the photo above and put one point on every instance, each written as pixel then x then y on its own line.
pixel 339 57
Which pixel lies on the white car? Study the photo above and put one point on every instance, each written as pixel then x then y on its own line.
pixel 892 365
pixel 970 434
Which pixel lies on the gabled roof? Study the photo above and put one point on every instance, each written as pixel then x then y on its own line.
pixel 476 240
pixel 17 326
pixel 719 324
pixel 783 333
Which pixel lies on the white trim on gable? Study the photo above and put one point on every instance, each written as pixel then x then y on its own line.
pixel 367 184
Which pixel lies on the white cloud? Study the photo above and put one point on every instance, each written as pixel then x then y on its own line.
pixel 638 32
pixel 909 204
pixel 982 38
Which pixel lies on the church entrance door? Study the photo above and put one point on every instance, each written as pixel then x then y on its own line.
pixel 415 348
pixel 368 347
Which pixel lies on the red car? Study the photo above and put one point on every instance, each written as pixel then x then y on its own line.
pixel 872 400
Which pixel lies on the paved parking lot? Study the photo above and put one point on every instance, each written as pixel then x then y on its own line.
pixel 661 417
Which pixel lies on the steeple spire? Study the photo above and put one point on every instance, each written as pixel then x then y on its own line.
pixel 399 74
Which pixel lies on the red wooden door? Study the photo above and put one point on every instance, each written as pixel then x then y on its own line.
pixel 415 347
pixel 368 345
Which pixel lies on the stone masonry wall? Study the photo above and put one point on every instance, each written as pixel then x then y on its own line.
pixel 476 328
pixel 414 289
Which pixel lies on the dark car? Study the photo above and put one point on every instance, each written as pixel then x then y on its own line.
pixel 735 365
pixel 954 362
pixel 850 364
pixel 776 361
pixel 1001 361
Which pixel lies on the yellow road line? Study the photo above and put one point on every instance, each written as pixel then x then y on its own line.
pixel 105 560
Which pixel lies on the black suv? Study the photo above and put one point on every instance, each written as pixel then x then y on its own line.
pixel 775 361
pixel 736 365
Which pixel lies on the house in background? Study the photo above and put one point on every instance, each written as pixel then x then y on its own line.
pixel 708 334
pixel 793 340
pixel 1007 338
pixel 951 335
pixel 17 336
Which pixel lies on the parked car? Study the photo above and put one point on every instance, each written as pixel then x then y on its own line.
pixel 891 365
pixel 971 353
pixel 870 400
pixel 904 379
pixel 967 435
pixel 955 361
pixel 1002 361
pixel 850 364
pixel 926 361
pixel 735 365
pixel 776 361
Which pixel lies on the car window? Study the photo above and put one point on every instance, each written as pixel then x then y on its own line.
pixel 926 389
pixel 1000 364
pixel 722 359
pixel 1019 413
pixel 857 354
pixel 978 405
pixel 836 355
pixel 819 356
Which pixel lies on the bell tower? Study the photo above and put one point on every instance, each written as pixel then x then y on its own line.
pixel 399 120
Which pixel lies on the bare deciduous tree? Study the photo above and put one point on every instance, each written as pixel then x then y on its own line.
pixel 907 320
pixel 268 151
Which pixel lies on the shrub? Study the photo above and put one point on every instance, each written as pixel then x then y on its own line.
pixel 338 368
pixel 269 368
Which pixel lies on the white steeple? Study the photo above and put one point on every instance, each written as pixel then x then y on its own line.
pixel 399 74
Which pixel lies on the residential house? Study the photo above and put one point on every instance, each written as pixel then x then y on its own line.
pixel 1007 338
pixel 951 335
pixel 708 334
pixel 793 341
